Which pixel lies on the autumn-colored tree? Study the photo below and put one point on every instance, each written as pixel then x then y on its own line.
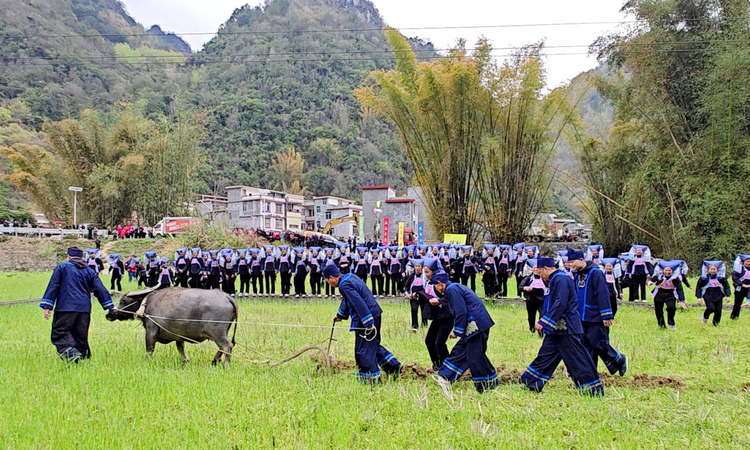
pixel 289 171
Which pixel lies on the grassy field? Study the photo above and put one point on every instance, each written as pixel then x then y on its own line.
pixel 119 399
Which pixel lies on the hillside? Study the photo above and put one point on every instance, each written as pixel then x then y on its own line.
pixel 293 87
pixel 60 56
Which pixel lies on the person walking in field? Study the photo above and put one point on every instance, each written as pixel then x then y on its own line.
pixel 712 287
pixel 563 337
pixel 358 303
pixel 741 282
pixel 668 292
pixel 471 325
pixel 596 312
pixel 69 295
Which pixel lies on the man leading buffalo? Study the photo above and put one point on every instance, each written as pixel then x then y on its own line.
pixel 69 295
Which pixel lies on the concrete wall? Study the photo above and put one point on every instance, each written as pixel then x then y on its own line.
pixel 370 197
pixel 423 215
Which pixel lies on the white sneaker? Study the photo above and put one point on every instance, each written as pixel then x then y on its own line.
pixel 320 296
pixel 672 327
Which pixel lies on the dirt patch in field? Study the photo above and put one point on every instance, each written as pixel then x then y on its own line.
pixel 642 380
pixel 414 371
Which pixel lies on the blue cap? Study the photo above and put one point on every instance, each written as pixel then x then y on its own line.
pixel 574 254
pixel 545 262
pixel 75 252
pixel 331 271
pixel 432 264
pixel 441 277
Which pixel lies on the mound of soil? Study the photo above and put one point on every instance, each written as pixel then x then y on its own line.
pixel 642 380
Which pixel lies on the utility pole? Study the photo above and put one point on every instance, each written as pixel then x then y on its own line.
pixel 75 191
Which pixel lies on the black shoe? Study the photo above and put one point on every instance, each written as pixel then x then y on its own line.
pixel 624 369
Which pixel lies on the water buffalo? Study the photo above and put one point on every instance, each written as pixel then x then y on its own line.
pixel 198 305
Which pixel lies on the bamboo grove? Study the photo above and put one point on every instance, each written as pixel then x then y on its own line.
pixel 671 170
pixel 125 162
pixel 477 135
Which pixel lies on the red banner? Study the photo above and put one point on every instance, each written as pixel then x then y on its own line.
pixel 386 230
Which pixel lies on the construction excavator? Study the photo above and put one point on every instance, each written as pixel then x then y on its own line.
pixel 333 222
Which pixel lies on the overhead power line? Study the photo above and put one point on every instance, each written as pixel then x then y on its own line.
pixel 389 52
pixel 329 30
pixel 241 59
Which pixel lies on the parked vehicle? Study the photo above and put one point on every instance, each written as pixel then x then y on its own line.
pixel 169 226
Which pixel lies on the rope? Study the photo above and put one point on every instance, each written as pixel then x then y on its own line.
pixel 268 361
pixel 260 324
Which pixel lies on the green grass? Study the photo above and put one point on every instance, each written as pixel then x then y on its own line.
pixel 119 399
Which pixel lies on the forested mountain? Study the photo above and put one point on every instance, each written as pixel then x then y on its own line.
pixel 292 86
pixel 61 56
pixel 277 76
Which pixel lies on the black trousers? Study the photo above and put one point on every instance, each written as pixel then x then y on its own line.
pixel 416 304
pixel 569 349
pixel 490 284
pixel 377 284
pixel 713 307
pixel 286 283
pixel 392 281
pixel 71 330
pixel 228 285
pixel 257 281
pixel 502 284
pixel 270 282
pixel 195 281
pixel 519 292
pixel 533 309
pixel 182 279
pixel 659 310
pixel 299 283
pixel 472 279
pixel 436 340
pixel 638 286
pixel 244 283
pixel 213 281
pixel 315 280
pixel 596 341
pixel 739 297
pixel 613 305
pixel 363 277
pixel 116 281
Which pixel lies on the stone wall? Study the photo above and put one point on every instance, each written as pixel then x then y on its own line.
pixel 33 255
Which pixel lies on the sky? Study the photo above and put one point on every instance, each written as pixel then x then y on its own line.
pixel 186 16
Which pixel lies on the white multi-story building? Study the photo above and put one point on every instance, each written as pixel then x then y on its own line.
pixel 328 207
pixel 251 207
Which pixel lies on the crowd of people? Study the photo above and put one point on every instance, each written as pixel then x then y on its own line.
pixel 395 271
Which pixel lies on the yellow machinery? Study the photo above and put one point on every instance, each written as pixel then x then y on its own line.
pixel 333 222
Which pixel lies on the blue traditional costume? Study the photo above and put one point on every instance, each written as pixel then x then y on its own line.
pixel 561 324
pixel 471 324
pixel 595 308
pixel 359 304
pixel 69 294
